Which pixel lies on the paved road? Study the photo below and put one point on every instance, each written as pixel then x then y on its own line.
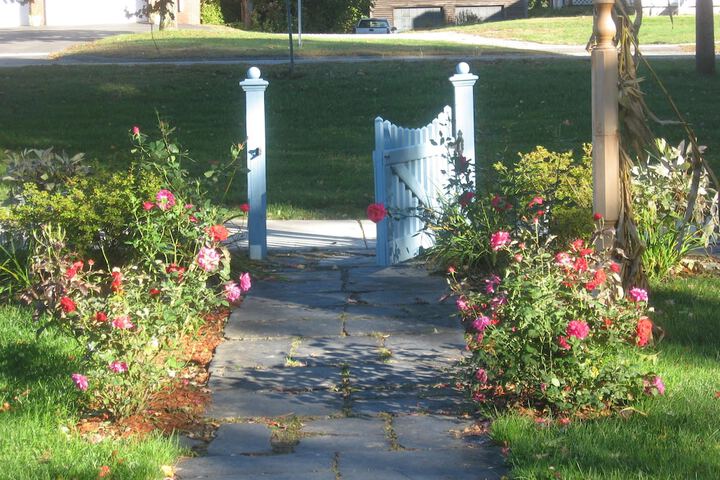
pixel 342 369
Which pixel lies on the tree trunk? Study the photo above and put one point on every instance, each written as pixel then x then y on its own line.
pixel 704 37
pixel 246 14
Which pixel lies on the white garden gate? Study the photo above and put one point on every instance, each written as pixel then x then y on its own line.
pixel 412 170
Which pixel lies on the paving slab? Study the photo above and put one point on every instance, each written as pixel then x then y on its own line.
pixel 241 439
pixel 280 379
pixel 234 354
pixel 310 466
pixel 233 402
pixel 440 464
pixel 344 434
pixel 367 320
pixel 336 350
pixel 430 432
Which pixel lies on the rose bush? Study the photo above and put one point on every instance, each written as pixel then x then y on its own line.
pixel 130 311
pixel 555 332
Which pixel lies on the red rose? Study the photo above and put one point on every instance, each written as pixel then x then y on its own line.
pixel 155 291
pixel 70 273
pixel 376 212
pixel 117 278
pixel 174 268
pixel 615 267
pixel 466 198
pixel 67 305
pixel 217 232
pixel 643 331
pixel 101 317
pixel 245 208
pixel 597 217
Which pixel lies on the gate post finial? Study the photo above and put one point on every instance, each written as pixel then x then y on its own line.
pixel 464 108
pixel 254 87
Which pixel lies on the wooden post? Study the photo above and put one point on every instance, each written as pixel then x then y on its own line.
pixel 605 136
pixel 464 109
pixel 254 88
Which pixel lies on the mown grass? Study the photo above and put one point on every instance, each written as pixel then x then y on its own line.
pixel 224 43
pixel 38 435
pixel 576 30
pixel 676 436
pixel 320 121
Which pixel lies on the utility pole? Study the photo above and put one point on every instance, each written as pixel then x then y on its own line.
pixel 290 29
pixel 300 23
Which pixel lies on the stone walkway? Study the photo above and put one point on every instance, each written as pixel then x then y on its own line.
pixel 339 370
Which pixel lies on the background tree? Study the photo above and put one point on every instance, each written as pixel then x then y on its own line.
pixel 704 37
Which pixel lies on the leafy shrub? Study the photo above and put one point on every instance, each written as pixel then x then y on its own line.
pixel 554 333
pixel 95 210
pixel 169 266
pixel 46 169
pixel 129 318
pixel 562 180
pixel 211 12
pixel 661 189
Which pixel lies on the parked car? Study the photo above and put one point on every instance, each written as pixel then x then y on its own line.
pixel 374 25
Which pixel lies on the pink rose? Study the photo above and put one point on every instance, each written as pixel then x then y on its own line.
pixel 481 376
pixel 499 240
pixel 491 282
pixel 480 323
pixel 535 201
pixel 578 329
pixel 148 206
pixel 563 344
pixel 81 381
pixel 123 323
pixel 462 304
pixel 638 295
pixel 245 283
pixel 118 367
pixel 135 130
pixel 656 384
pixel 232 292
pixel 165 199
pixel 208 259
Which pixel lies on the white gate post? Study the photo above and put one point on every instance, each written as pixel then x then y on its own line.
pixel 254 88
pixel 464 109
pixel 381 238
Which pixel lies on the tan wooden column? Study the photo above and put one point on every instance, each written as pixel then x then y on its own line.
pixel 605 136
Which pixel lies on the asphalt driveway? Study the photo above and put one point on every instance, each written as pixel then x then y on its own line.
pixel 25 45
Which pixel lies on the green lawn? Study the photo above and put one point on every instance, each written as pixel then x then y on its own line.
pixel 223 42
pixel 320 122
pixel 671 437
pixel 38 435
pixel 577 30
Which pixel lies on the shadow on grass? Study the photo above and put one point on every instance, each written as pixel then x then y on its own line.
pixel 29 361
pixel 688 310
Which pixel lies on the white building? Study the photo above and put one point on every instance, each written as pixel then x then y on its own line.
pixel 16 13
